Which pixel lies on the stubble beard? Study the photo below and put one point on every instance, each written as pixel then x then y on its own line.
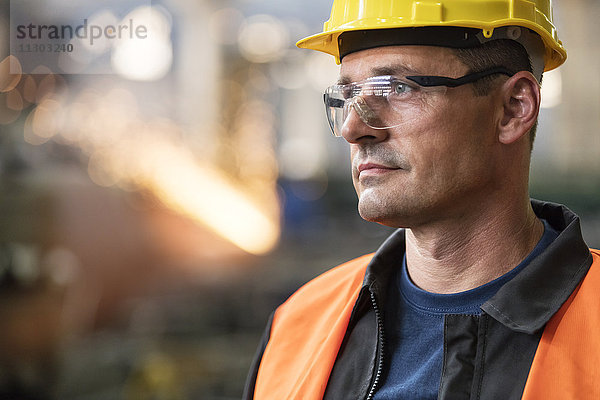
pixel 388 207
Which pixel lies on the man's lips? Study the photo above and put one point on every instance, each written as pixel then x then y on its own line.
pixel 374 169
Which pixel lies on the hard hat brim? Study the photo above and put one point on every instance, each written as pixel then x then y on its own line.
pixel 327 42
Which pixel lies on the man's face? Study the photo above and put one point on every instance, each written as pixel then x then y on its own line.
pixel 440 162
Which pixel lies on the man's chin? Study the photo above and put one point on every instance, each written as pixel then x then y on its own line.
pixel 384 213
pixel 379 216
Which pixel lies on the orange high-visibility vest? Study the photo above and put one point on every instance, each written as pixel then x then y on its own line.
pixel 567 361
pixel 303 346
pixel 308 330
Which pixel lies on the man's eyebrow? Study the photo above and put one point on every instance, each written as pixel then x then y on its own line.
pixel 343 80
pixel 392 70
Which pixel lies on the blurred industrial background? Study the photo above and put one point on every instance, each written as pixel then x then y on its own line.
pixel 151 220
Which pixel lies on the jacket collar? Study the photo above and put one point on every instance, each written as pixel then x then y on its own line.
pixel 384 263
pixel 529 300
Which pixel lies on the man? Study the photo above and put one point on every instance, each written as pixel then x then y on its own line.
pixel 482 293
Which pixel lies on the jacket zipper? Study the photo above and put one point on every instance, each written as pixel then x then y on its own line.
pixel 381 343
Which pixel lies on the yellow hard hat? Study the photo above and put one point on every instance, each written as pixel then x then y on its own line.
pixel 481 16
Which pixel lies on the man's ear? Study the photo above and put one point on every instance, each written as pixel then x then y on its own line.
pixel 521 104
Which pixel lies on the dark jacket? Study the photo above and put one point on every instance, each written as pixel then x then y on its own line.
pixel 487 356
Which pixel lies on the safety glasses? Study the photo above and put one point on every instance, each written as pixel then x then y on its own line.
pixel 378 100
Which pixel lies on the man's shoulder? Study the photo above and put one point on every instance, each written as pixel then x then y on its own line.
pixel 338 282
pixel 353 266
pixel 349 272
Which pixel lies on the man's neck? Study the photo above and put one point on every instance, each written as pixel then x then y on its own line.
pixel 455 256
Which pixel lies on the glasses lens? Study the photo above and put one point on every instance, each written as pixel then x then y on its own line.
pixel 371 100
pixel 373 110
pixel 335 109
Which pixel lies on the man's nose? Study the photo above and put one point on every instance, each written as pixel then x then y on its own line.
pixel 355 130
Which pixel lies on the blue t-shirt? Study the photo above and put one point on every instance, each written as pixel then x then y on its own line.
pixel 414 328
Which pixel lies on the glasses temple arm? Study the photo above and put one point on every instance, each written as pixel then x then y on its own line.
pixel 430 81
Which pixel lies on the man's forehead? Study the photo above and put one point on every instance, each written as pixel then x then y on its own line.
pixel 400 61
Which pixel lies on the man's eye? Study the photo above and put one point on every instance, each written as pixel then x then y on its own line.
pixel 400 88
